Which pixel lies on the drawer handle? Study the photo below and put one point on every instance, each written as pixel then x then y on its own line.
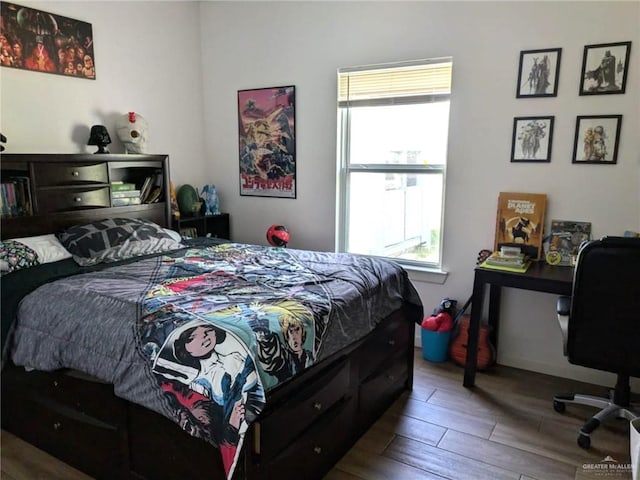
pixel 57 425
pixel 55 383
pixel 392 343
pixel 317 450
pixel 75 173
pixel 317 406
pixel 77 199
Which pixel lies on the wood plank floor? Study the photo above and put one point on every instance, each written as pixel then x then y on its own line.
pixel 504 428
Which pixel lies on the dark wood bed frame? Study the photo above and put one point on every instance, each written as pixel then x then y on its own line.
pixel 310 421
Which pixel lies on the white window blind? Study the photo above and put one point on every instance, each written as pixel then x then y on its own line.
pixel 398 81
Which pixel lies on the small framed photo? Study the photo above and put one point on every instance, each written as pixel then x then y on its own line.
pixel 538 73
pixel 597 139
pixel 604 68
pixel 532 138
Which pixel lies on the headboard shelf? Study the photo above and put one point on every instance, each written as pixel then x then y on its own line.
pixel 44 193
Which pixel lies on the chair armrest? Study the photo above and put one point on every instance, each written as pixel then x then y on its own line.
pixel 563 307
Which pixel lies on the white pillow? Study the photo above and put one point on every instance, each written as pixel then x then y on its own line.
pixel 48 247
pixel 173 234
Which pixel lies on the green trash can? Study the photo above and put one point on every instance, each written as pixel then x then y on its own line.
pixel 435 345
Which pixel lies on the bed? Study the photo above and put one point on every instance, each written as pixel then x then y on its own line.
pixel 108 388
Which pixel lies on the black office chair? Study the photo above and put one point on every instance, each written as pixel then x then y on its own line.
pixel 600 323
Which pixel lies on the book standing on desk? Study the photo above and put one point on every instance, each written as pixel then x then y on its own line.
pixel 520 221
pixel 565 239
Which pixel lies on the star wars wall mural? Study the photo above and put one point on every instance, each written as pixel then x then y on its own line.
pixel 40 41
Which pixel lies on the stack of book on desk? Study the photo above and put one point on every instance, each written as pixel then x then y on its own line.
pixel 508 260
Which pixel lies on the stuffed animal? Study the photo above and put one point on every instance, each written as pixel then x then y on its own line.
pixel 132 132
pixel 175 210
pixel 446 305
pixel 210 197
pixel 442 322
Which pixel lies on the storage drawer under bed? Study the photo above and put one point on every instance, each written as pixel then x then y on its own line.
pixel 321 446
pixel 382 387
pixel 281 426
pixel 90 444
pixel 386 341
pixel 92 398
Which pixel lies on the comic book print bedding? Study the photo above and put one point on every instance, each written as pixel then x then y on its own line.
pixel 202 335
pixel 225 324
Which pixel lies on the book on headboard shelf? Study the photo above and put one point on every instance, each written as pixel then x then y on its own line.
pixel 520 222
pixel 151 190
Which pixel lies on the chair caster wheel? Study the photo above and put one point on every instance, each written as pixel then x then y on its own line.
pixel 559 407
pixel 584 441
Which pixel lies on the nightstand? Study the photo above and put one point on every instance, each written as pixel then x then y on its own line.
pixel 216 226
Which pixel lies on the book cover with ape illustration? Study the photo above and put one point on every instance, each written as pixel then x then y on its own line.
pixel 520 222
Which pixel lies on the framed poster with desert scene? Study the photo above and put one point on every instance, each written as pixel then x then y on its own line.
pixel 532 137
pixel 604 68
pixel 267 147
pixel 538 73
pixel 597 138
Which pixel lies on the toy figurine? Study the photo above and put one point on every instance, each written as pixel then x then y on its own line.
pixel 132 131
pixel 210 197
pixel 175 210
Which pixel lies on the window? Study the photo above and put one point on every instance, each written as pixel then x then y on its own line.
pixel 393 124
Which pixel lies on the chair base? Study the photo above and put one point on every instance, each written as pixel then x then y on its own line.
pixel 609 409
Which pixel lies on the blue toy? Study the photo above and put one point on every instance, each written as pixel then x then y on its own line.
pixel 210 197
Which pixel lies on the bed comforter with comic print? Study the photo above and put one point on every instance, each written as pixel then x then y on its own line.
pixel 201 335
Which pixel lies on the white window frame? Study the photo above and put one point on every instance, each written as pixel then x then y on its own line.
pixel 345 168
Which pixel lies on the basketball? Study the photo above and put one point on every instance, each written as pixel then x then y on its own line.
pixel 278 235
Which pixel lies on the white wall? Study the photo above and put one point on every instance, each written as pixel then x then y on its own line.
pixel 147 57
pixel 180 64
pixel 265 44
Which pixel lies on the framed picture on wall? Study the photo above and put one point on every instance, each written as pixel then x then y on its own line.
pixel 532 138
pixel 45 42
pixel 267 142
pixel 604 68
pixel 597 138
pixel 538 73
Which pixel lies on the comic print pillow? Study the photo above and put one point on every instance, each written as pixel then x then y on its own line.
pixel 115 239
pixel 15 256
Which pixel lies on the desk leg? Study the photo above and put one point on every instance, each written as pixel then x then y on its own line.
pixel 495 294
pixel 473 334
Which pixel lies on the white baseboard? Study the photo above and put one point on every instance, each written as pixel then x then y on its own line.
pixel 562 370
pixel 567 370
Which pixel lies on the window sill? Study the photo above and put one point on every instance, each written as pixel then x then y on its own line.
pixel 426 275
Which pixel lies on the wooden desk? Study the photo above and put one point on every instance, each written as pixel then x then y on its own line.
pixel 540 278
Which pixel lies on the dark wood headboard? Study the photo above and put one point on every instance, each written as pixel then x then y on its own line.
pixel 56 191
